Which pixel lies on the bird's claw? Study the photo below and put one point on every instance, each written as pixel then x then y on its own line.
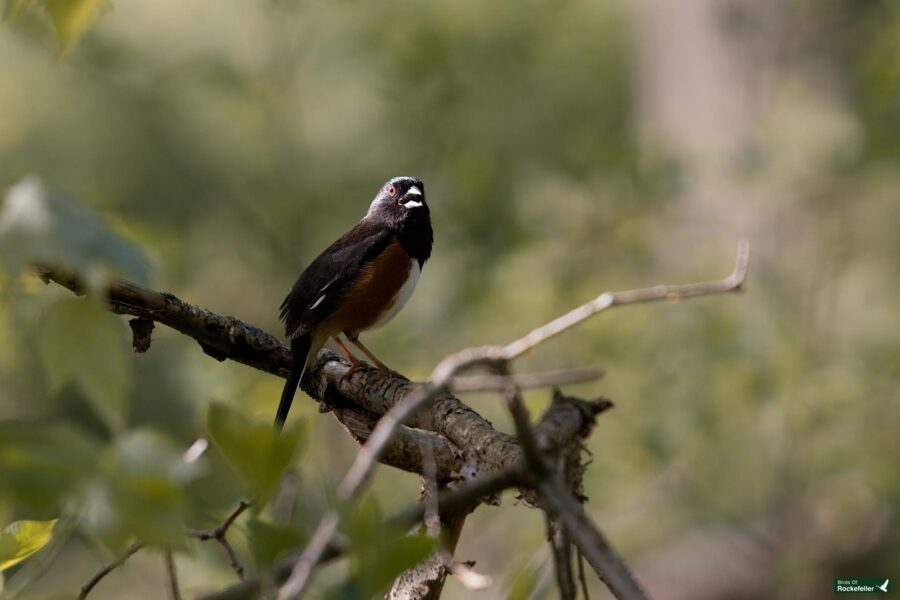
pixel 354 367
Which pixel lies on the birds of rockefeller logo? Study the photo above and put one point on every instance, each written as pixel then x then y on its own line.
pixel 846 585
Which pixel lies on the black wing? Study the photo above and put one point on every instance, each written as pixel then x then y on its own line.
pixel 316 294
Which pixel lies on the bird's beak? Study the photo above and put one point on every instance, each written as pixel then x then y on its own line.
pixel 409 198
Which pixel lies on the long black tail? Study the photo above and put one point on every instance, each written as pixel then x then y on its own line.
pixel 299 352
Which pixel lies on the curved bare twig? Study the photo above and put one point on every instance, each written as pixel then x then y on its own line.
pixel 449 367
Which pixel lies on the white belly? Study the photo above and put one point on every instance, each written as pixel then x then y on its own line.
pixel 402 296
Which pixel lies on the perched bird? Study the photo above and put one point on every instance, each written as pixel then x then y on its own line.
pixel 359 282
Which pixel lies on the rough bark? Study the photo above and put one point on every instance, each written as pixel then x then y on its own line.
pixel 465 446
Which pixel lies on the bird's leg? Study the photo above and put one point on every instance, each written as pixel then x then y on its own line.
pixel 355 363
pixel 355 341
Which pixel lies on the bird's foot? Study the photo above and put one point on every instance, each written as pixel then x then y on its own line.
pixel 354 367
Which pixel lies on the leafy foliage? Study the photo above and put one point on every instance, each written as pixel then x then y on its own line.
pixel 256 452
pixel 83 344
pixel 379 551
pixel 38 226
pixel 70 18
pixel 142 495
pixel 43 465
pixel 21 539
pixel 567 148
pixel 270 541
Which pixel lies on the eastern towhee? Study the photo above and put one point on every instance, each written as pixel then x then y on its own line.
pixel 359 282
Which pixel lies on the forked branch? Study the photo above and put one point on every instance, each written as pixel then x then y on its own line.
pixel 441 380
pixel 387 438
pixel 219 534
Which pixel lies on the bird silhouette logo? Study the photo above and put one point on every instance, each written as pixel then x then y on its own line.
pixel 884 586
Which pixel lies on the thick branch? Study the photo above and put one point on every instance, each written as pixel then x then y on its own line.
pixel 227 337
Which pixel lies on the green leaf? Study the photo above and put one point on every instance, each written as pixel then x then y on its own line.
pixel 254 450
pixel 42 227
pixel 42 464
pixel 71 18
pixel 83 344
pixel 380 551
pixel 22 539
pixel 142 495
pixel 389 558
pixel 362 522
pixel 269 541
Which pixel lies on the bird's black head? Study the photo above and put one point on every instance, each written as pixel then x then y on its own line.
pixel 400 205
pixel 399 200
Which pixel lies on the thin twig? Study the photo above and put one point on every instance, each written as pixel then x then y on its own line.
pixel 581 577
pixel 253 587
pixel 732 283
pixel 492 355
pixel 107 569
pixel 524 381
pixel 522 421
pixel 562 558
pixel 221 529
pixel 174 591
pixel 589 540
pixel 232 558
pixel 301 574
pixel 450 501
pixel 566 419
pixel 465 496
pixel 440 379
pixel 562 504
pixel 227 337
pixel 219 534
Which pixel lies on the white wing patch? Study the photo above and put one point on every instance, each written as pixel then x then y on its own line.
pixel 321 298
pixel 403 295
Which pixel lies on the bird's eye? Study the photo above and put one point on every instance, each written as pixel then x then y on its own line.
pixel 391 190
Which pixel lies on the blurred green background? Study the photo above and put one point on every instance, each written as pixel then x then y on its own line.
pixel 567 148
